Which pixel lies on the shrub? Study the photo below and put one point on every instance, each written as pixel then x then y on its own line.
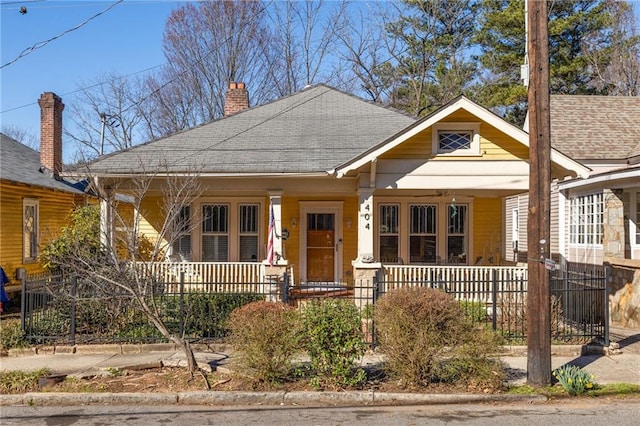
pixel 574 379
pixel 11 335
pixel 265 335
pixel 426 338
pixel 333 340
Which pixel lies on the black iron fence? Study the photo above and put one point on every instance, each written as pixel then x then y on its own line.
pixel 65 309
pixel 578 302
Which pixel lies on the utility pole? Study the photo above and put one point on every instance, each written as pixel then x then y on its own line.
pixel 538 226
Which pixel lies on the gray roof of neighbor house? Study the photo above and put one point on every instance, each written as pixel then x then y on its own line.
pixel 596 127
pixel 21 164
pixel 311 131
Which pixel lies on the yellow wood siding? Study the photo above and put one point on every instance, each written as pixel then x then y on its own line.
pixel 487 230
pixel 54 208
pixel 494 144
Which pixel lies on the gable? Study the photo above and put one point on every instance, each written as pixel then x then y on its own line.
pixel 493 143
pixel 496 140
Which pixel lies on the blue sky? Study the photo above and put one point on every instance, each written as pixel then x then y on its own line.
pixel 126 39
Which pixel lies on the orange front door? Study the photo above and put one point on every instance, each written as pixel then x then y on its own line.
pixel 321 247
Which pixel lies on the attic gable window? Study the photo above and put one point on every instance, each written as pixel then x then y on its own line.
pixel 456 139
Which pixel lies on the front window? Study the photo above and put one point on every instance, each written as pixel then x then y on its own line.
pixel 423 233
pixel 29 230
pixel 249 232
pixel 586 219
pixel 215 233
pixel 388 241
pixel 182 239
pixel 456 233
pixel 637 224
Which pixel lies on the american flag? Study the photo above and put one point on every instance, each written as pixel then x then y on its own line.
pixel 272 237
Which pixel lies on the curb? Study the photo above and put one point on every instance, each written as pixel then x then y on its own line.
pixel 280 398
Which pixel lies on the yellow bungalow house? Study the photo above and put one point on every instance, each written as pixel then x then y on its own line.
pixel 35 202
pixel 352 185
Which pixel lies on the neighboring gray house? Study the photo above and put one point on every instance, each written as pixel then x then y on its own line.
pixel 594 220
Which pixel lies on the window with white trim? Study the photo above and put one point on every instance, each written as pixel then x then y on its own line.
pixel 586 216
pixel 637 224
pixel 456 139
pixel 249 215
pixel 388 239
pixel 423 247
pixel 215 232
pixel 29 229
pixel 456 233
pixel 182 239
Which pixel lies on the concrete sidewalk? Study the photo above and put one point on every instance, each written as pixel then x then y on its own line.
pixel 607 365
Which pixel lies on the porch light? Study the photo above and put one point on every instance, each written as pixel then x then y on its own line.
pixel 294 222
pixel 349 223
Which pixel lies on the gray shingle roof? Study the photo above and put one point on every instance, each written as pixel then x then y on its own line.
pixel 314 130
pixel 596 127
pixel 21 164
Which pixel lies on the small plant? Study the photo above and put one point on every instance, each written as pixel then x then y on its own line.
pixel 574 379
pixel 266 335
pixel 334 340
pixel 11 335
pixel 18 381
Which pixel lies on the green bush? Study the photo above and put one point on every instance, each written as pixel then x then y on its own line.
pixel 266 335
pixel 333 340
pixel 427 338
pixel 11 335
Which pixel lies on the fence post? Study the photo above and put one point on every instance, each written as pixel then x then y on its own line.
pixel 607 276
pixel 72 325
pixel 494 298
pixel 23 299
pixel 181 304
pixel 285 288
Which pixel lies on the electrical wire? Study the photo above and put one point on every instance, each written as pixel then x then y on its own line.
pixel 41 44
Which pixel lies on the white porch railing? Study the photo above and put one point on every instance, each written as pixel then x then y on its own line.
pixel 473 283
pixel 210 276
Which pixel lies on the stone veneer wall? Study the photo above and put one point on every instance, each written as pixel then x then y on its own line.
pixel 624 289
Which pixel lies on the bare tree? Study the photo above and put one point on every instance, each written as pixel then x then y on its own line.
pixel 364 52
pixel 207 44
pixel 108 116
pixel 304 42
pixel 23 136
pixel 617 67
pixel 124 263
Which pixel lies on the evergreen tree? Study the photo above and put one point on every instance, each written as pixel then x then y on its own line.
pixel 430 43
pixel 502 43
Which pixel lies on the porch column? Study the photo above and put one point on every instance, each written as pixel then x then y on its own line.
pixel 274 274
pixel 275 206
pixel 613 239
pixel 365 225
pixel 106 219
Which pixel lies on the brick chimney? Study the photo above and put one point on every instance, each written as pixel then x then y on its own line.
pixel 237 98
pixel 51 107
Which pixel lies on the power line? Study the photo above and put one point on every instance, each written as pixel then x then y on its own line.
pixel 45 42
pixel 84 88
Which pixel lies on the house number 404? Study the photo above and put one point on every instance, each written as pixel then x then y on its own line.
pixel 366 215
